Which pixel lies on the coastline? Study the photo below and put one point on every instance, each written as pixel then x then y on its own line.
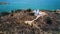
pixel 17 10
pixel 15 21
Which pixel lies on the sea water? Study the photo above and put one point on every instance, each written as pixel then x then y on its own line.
pixel 32 4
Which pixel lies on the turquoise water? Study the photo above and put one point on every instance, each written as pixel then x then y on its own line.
pixel 33 4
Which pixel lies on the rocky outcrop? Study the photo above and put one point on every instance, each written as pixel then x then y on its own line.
pixel 14 23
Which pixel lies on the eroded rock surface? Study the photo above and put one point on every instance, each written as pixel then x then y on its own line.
pixel 14 23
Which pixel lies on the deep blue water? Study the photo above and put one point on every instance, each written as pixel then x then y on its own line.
pixel 33 4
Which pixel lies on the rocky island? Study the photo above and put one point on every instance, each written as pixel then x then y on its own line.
pixel 1 3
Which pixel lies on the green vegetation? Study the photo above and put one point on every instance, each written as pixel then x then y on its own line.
pixel 4 13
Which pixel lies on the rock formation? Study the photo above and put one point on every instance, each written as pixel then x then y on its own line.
pixel 14 23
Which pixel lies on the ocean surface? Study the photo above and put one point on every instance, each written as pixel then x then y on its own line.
pixel 26 4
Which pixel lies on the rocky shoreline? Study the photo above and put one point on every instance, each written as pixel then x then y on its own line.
pixel 13 23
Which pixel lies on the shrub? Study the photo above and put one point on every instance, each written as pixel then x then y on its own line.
pixel 28 10
pixel 48 20
pixel 18 10
pixel 4 13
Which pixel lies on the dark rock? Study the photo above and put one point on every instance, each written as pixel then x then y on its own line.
pixel 32 14
pixel 48 20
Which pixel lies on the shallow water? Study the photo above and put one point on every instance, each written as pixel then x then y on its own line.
pixel 33 4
